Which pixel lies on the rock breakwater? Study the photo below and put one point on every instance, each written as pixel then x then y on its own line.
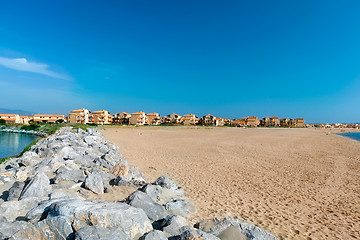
pixel 48 194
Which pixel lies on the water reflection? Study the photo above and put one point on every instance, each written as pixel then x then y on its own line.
pixel 12 144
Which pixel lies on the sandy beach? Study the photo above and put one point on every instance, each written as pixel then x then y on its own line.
pixel 295 183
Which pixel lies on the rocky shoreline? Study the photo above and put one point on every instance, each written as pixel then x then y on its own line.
pixel 46 195
pixel 31 132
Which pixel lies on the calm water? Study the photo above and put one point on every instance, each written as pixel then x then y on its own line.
pixel 353 135
pixel 12 144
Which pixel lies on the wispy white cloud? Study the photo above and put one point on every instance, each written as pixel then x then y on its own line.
pixel 22 64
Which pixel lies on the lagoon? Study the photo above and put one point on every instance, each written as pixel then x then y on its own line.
pixel 12 144
pixel 353 135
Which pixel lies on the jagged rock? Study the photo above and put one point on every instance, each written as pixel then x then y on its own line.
pixel 67 174
pixel 41 211
pixel 154 235
pixel 51 228
pixel 15 191
pixel 39 186
pixel 9 228
pixel 169 184
pixel 179 207
pixel 136 175
pixel 115 215
pixel 14 209
pixel 141 200
pixel 103 149
pixel 228 229
pixel 11 164
pixel 91 140
pixel 94 183
pixel 192 234
pixel 154 191
pixel 89 131
pixel 80 131
pixel 123 181
pixel 99 233
pixel 173 225
pixel 22 173
pixel 120 169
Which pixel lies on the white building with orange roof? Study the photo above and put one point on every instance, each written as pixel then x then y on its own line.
pixel 79 116
pixel 190 119
pixel 174 118
pixel 219 122
pixel 153 118
pixel 251 121
pixel 138 118
pixel 25 119
pixel 101 117
pixel 10 118
pixel 45 118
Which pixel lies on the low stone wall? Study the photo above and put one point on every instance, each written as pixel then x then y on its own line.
pixel 46 195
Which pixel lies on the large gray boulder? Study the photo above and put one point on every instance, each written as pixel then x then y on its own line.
pixel 94 183
pixel 154 235
pixel 39 186
pixel 179 207
pixel 41 211
pixel 15 209
pixel 51 228
pixel 174 225
pixel 67 174
pixel 141 200
pixel 99 233
pixel 191 234
pixel 228 229
pixel 169 184
pixel 15 191
pixel 7 229
pixel 114 215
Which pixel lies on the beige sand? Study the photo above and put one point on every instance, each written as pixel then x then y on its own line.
pixel 296 183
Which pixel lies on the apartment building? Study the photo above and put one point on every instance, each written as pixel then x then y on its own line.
pixel 270 122
pixel 46 118
pixel 121 118
pixel 25 120
pixel 190 119
pixel 101 117
pixel 174 118
pixel 251 121
pixel 11 118
pixel 299 122
pixel 138 118
pixel 219 122
pixel 209 119
pixel 79 116
pixel 153 118
pixel 286 122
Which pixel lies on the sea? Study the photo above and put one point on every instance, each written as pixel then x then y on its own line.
pixel 12 144
pixel 353 135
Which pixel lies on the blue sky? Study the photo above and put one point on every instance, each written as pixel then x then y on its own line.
pixel 228 58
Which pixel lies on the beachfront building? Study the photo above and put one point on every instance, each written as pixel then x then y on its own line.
pixel 238 123
pixel 46 118
pixel 121 118
pixel 138 118
pixel 219 122
pixel 10 118
pixel 251 121
pixel 270 122
pixel 79 116
pixel 153 118
pixel 299 122
pixel 209 119
pixel 227 121
pixel 25 120
pixel 286 122
pixel 101 117
pixel 190 119
pixel 174 118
